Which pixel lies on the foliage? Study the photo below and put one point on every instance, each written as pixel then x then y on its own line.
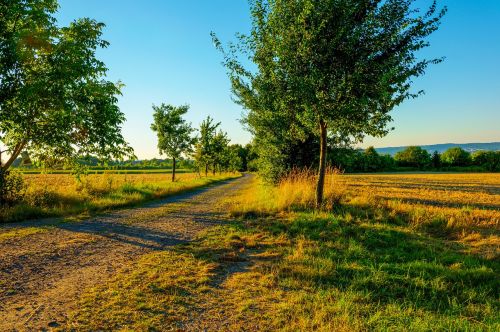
pixel 174 133
pixel 213 149
pixel 11 187
pixel 456 157
pixel 490 160
pixel 436 160
pixel 55 102
pixel 220 156
pixel 204 154
pixel 413 156
pixel 329 67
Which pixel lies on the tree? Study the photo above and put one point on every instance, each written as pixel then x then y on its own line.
pixel 235 162
pixel 372 159
pixel 436 160
pixel 174 133
pixel 55 102
pixel 219 145
pixel 336 67
pixel 413 156
pixel 204 152
pixel 456 157
pixel 490 160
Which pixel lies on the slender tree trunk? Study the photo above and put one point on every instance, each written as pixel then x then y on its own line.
pixel 322 164
pixel 173 169
pixel 213 169
pixel 206 170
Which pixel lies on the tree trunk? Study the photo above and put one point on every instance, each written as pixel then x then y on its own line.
pixel 213 169
pixel 173 169
pixel 322 164
pixel 206 170
pixel 15 153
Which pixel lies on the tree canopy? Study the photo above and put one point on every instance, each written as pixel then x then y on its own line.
pixel 413 156
pixel 174 133
pixel 55 101
pixel 330 67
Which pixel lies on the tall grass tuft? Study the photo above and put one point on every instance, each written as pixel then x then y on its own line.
pixel 297 190
pixel 294 192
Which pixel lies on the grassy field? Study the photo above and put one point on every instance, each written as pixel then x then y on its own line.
pixel 105 171
pixel 49 195
pixel 415 252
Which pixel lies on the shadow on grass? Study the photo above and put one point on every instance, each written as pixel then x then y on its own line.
pixel 387 264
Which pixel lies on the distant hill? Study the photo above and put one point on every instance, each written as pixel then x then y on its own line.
pixel 470 147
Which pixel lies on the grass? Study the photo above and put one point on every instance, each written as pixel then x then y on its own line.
pixel 158 291
pixel 371 262
pixel 105 171
pixel 21 232
pixel 56 195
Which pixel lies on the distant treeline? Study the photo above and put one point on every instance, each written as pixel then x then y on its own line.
pixel 95 164
pixel 350 160
pixel 414 158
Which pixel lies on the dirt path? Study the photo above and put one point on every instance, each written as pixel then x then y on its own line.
pixel 42 275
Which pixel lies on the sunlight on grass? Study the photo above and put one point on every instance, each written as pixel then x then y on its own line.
pixel 21 232
pixel 155 292
pixel 54 195
pixel 361 266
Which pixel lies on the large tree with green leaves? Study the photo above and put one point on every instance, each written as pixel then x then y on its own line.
pixel 55 101
pixel 174 133
pixel 413 156
pixel 333 67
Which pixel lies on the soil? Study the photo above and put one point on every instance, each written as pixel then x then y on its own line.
pixel 43 275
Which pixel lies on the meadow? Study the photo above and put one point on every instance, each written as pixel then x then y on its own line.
pixel 55 195
pixel 391 252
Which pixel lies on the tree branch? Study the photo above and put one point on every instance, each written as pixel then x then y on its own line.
pixel 17 150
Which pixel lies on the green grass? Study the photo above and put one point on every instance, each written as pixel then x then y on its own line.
pixel 303 272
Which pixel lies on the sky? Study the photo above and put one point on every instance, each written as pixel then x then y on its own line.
pixel 162 51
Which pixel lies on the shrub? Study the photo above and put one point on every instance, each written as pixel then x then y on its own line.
pixel 12 187
pixel 42 198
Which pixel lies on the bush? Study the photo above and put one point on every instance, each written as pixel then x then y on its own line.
pixel 12 187
pixel 456 157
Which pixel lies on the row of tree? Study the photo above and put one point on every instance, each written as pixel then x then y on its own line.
pixel 413 157
pixel 210 148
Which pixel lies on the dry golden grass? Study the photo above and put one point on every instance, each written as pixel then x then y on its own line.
pixel 63 194
pixel 66 183
pixel 463 207
pixel 295 192
pixel 377 260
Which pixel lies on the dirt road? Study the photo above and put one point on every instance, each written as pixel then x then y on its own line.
pixel 42 275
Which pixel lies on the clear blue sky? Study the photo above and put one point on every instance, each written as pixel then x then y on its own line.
pixel 162 51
